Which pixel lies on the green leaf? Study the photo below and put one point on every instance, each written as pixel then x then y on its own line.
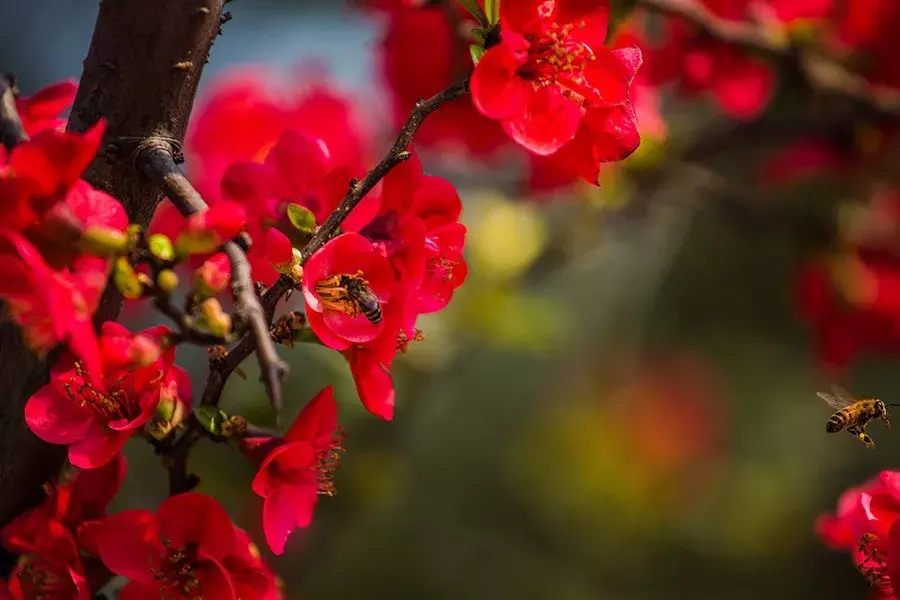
pixel 476 51
pixel 479 34
pixel 474 9
pixel 492 8
pixel 301 218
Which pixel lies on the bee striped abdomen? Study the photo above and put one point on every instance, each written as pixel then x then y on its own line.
pixel 838 421
pixel 373 314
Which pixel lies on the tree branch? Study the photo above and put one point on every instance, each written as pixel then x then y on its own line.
pixel 156 161
pixel 821 73
pixel 11 130
pixel 140 74
pixel 180 480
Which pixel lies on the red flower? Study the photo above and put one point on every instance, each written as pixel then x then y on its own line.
pixel 51 306
pixel 41 110
pixel 866 524
pixel 53 571
pixel 244 114
pixel 96 418
pixel 41 171
pixel 550 72
pixel 345 285
pixel 177 552
pixel 298 469
pixel 81 499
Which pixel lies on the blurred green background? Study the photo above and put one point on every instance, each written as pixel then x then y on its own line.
pixel 619 403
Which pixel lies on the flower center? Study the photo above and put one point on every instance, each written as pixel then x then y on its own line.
pixel 327 463
pixel 109 406
pixel 42 580
pixel 176 574
pixel 555 58
pixel 403 340
pixel 873 563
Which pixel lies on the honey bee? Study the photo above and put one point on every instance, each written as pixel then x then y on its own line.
pixel 350 294
pixel 283 329
pixel 854 415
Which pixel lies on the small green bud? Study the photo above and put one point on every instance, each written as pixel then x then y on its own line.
pixel 161 247
pixel 126 280
pixel 213 318
pixel 167 280
pixel 103 241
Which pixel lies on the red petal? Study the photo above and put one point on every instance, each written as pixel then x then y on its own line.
pixel 194 518
pixel 285 511
pixel 497 91
pixel 317 323
pixel 287 458
pixel 215 582
pixel 317 422
pixel 279 250
pixel 522 16
pixel 129 544
pixel 357 329
pixel 55 418
pixel 547 123
pixel 298 159
pixel 594 14
pixel 54 160
pixel 98 446
pixel 135 590
pixel 373 383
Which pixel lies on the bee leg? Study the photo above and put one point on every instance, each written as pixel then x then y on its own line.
pixel 860 434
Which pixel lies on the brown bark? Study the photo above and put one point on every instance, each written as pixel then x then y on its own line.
pixel 141 75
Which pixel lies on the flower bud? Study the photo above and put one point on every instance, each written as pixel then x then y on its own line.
pixel 143 350
pixel 103 241
pixel 209 229
pixel 167 280
pixel 213 318
pixel 126 280
pixel 160 247
pixel 279 251
pixel 170 412
pixel 212 277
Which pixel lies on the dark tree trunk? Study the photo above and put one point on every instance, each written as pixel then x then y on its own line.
pixel 141 75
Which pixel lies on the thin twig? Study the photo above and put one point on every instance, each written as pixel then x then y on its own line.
pixel 156 161
pixel 398 153
pixel 821 73
pixel 11 130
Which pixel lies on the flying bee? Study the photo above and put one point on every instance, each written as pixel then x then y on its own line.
pixel 854 415
pixel 283 329
pixel 350 294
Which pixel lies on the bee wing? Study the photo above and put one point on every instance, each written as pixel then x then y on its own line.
pixel 839 399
